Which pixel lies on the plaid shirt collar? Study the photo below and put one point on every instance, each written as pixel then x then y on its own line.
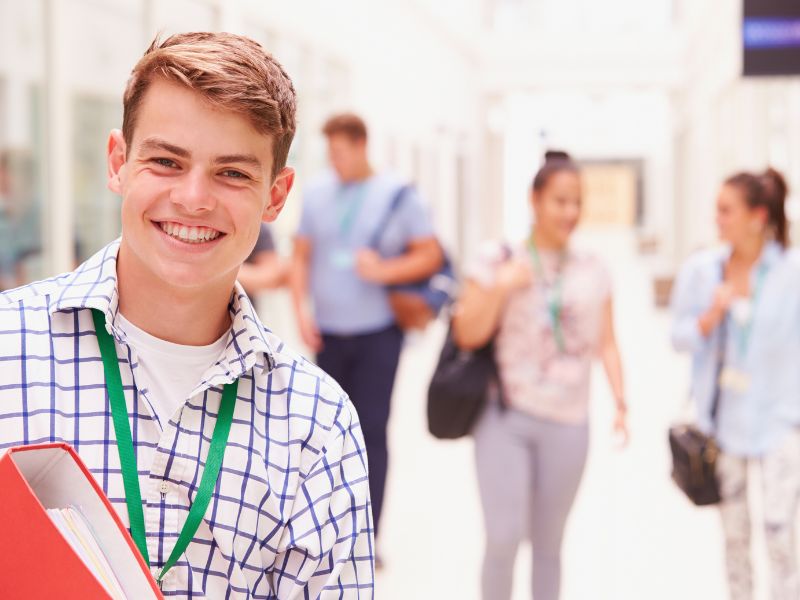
pixel 93 285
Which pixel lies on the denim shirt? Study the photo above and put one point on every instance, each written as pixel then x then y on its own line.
pixel 751 421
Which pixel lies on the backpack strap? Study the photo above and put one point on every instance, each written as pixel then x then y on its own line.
pixel 383 225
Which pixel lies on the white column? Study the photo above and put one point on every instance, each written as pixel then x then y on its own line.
pixel 59 204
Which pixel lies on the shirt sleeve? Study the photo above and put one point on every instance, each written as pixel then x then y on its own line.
pixel 265 242
pixel 482 269
pixel 327 548
pixel 605 283
pixel 413 218
pixel 686 334
pixel 305 229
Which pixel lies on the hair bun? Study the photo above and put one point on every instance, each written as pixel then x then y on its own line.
pixel 774 185
pixel 556 156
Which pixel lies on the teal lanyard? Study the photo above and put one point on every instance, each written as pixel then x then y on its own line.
pixel 746 330
pixel 127 454
pixel 349 209
pixel 555 302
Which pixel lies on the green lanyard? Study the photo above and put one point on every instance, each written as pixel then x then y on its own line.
pixel 349 211
pixel 746 329
pixel 555 302
pixel 127 454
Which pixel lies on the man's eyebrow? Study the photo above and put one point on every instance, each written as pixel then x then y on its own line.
pixel 247 159
pixel 151 144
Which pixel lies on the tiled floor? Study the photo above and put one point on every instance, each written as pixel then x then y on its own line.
pixel 631 536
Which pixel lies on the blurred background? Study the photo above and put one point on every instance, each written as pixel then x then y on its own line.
pixel 655 98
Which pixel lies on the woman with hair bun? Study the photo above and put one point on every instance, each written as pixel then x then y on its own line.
pixel 737 311
pixel 548 308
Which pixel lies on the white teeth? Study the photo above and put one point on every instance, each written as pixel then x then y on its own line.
pixel 192 235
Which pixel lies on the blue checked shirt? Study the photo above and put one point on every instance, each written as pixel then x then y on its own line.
pixel 290 516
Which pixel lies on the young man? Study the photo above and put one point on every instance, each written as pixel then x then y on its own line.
pixel 199 163
pixel 353 329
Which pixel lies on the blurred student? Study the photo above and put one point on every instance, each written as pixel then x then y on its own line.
pixel 548 307
pixel 352 327
pixel 264 269
pixel 746 297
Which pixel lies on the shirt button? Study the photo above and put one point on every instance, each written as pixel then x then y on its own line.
pixel 164 488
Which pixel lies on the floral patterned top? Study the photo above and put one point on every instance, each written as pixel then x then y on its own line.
pixel 538 376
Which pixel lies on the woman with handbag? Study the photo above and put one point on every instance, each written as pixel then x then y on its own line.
pixel 737 310
pixel 548 307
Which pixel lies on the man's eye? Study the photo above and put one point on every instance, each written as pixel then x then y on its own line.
pixel 165 162
pixel 234 174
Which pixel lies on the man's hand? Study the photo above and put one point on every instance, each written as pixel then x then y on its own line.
pixel 370 267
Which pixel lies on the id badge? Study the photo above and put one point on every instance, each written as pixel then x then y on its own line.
pixel 342 259
pixel 734 380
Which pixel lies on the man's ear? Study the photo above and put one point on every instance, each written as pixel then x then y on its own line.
pixel 117 151
pixel 277 194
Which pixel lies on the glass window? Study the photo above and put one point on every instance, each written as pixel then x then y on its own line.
pixel 97 214
pixel 21 147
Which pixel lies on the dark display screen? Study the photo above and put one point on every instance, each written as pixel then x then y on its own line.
pixel 771 37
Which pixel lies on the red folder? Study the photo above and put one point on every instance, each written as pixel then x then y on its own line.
pixel 36 561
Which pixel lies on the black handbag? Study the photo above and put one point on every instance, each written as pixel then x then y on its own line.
pixel 694 453
pixel 459 389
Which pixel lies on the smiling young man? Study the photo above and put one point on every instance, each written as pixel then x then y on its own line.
pixel 199 164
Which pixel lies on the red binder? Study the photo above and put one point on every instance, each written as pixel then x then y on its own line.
pixel 36 561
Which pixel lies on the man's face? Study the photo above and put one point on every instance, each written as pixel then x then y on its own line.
pixel 195 187
pixel 347 156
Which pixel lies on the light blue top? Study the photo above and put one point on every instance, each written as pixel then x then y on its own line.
pixel 749 421
pixel 340 219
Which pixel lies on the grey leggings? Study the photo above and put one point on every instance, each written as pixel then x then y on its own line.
pixel 529 470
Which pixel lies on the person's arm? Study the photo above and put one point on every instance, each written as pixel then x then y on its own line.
pixel 480 307
pixel 422 259
pixel 713 316
pixel 422 256
pixel 612 363
pixel 328 545
pixel 298 282
pixel 692 322
pixel 267 271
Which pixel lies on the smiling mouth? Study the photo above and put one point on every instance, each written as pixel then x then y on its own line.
pixel 190 235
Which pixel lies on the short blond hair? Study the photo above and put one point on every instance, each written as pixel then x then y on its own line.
pixel 231 72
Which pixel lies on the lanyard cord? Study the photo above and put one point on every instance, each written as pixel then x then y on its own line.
pixel 555 303
pixel 348 213
pixel 127 453
pixel 746 329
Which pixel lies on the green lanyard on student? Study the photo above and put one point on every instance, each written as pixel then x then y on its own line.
pixel 127 454
pixel 555 303
pixel 348 212
pixel 746 329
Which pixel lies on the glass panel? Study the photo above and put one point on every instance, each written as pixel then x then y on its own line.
pixel 21 147
pixel 97 216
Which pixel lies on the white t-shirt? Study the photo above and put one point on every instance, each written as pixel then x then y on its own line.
pixel 170 371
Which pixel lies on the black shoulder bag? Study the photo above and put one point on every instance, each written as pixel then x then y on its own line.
pixel 459 388
pixel 694 454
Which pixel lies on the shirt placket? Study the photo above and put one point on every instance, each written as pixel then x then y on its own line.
pixel 163 510
pixel 161 497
